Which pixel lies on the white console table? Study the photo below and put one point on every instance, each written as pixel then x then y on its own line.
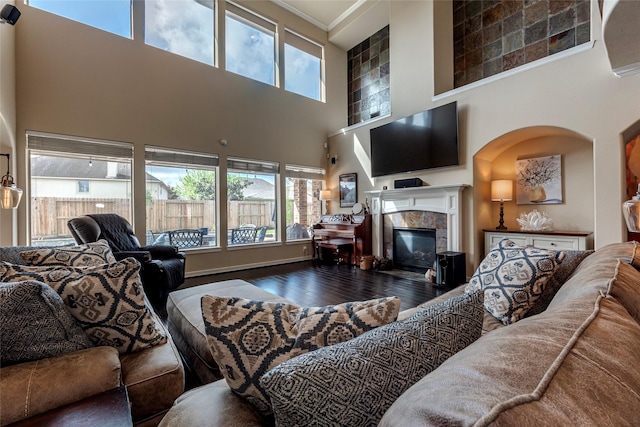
pixel 558 240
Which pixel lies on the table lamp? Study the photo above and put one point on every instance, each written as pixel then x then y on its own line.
pixel 326 196
pixel 501 191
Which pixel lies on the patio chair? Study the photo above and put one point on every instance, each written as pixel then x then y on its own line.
pixel 185 238
pixel 243 235
pixel 261 233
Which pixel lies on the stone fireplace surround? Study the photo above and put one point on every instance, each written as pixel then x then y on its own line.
pixel 438 207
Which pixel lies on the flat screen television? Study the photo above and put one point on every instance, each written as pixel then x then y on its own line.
pixel 426 140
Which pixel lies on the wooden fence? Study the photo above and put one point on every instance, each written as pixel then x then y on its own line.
pixel 50 214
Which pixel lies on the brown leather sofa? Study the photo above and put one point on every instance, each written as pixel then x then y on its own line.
pixel 573 364
pixel 154 377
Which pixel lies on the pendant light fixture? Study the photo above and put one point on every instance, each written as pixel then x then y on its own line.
pixel 10 195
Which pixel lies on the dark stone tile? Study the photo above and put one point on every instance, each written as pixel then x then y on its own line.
pixel 492 67
pixel 384 44
pixel 492 33
pixel 458 64
pixel 513 41
pixel 356 50
pixel 513 59
pixel 474 74
pixel 459 79
pixel 562 21
pixel 535 51
pixel 458 16
pixel 366 80
pixel 364 68
pixel 458 4
pixel 509 7
pixel 536 12
pixel 384 70
pixel 473 58
pixel 374 75
pixel 374 39
pixel 513 23
pixel 583 11
pixel 556 6
pixel 562 41
pixel 384 57
pixel 458 48
pixel 364 57
pixel 356 84
pixel 472 8
pixel 528 3
pixel 535 32
pixel 374 50
pixel 493 15
pixel 473 24
pixel 364 45
pixel 357 118
pixel 384 33
pixel 458 31
pixel 357 95
pixel 473 42
pixel 583 33
pixel 491 51
pixel 488 4
pixel 374 62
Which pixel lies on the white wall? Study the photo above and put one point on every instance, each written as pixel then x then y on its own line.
pixel 577 95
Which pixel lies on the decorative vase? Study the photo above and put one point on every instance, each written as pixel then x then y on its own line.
pixel 537 194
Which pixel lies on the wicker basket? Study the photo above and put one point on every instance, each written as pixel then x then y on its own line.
pixel 366 262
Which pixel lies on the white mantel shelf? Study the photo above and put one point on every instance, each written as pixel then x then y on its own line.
pixel 438 198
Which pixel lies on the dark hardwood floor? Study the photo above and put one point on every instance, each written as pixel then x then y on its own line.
pixel 310 284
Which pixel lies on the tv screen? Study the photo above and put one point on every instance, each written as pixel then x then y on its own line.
pixel 425 140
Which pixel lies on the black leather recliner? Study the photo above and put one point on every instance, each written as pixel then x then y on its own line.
pixel 162 266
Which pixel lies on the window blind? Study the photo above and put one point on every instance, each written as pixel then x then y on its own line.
pixel 172 158
pixel 245 165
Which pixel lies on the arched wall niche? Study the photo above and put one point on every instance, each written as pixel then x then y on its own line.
pixel 497 160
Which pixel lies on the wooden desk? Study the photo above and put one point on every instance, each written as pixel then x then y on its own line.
pixel 108 409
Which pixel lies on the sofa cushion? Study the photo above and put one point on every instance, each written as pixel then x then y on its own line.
pixel 571 260
pixel 31 388
pixel 574 364
pixel 353 383
pixel 107 300
pixel 36 324
pixel 513 277
pixel 247 338
pixel 85 255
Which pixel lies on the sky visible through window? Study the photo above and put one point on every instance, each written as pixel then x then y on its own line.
pixel 186 28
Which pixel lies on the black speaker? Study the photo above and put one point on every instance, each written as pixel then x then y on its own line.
pixel 409 182
pixel 9 14
pixel 450 268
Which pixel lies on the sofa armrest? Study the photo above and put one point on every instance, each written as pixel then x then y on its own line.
pixel 140 256
pixel 31 388
pixel 163 251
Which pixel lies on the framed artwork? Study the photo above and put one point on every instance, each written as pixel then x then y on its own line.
pixel 539 180
pixel 348 190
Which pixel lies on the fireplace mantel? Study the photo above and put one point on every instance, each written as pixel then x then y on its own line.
pixel 445 199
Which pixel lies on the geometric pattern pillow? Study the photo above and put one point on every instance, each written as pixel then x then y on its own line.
pixel 247 338
pixel 89 254
pixel 513 278
pixel 36 324
pixel 107 300
pixel 354 383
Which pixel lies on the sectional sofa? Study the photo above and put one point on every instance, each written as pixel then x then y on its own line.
pixel 154 375
pixel 571 361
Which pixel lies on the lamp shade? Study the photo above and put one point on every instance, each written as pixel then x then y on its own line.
pixel 325 195
pixel 501 190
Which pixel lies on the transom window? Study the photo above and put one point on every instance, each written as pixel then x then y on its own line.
pixel 181 27
pixel 250 45
pixel 113 16
pixel 303 66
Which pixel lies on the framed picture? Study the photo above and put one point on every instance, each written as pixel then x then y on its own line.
pixel 348 190
pixel 539 180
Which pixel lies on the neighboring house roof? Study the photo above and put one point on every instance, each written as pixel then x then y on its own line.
pixel 65 167
pixel 259 189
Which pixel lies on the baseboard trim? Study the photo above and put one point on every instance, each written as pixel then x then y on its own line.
pixel 241 267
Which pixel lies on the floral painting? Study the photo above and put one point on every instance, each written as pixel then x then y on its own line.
pixel 539 180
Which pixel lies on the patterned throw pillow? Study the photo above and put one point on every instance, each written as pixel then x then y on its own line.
pixel 90 254
pixel 247 338
pixel 355 382
pixel 513 278
pixel 36 324
pixel 107 300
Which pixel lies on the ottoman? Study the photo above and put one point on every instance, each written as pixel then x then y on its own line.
pixel 186 326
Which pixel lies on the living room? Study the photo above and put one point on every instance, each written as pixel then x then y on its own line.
pixel 105 87
pixel 60 77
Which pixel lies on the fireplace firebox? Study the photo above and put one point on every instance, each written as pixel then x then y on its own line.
pixel 414 249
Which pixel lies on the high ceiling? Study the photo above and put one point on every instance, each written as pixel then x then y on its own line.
pixel 322 13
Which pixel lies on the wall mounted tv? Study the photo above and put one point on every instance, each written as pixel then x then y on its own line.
pixel 426 140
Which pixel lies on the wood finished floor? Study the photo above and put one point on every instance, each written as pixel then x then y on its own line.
pixel 310 284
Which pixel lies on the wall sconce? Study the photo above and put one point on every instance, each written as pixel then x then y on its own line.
pixel 326 196
pixel 10 195
pixel 501 191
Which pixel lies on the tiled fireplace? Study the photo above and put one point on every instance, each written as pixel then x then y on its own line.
pixel 436 208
